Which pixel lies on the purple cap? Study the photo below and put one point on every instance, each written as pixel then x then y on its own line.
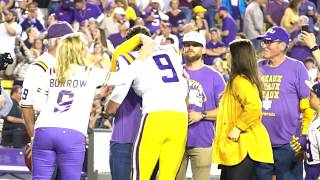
pixel 223 8
pixel 59 29
pixel 276 33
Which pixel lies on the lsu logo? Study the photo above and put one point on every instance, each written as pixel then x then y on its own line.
pixel 271 31
pixel 196 94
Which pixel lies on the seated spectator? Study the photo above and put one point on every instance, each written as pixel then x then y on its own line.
pixel 133 5
pixel 24 58
pixel 130 12
pixel 65 11
pixel 37 48
pixel 99 58
pixel 176 17
pixel 31 37
pixel 6 5
pixel 118 38
pixel 290 18
pixel 165 32
pixel 83 11
pixel 32 18
pixel 9 30
pixel 51 19
pixel 311 68
pixel 110 24
pixel 199 20
pixel 215 48
pixel 14 133
pixel 154 16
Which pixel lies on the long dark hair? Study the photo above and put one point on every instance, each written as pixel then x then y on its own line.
pixel 244 62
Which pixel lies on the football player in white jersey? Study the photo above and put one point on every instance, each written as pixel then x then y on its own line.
pixel 36 71
pixel 61 126
pixel 163 129
pixel 313 139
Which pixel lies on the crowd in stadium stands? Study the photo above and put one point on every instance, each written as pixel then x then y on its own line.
pixel 105 24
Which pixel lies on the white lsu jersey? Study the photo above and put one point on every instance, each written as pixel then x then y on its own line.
pixel 32 91
pixel 160 81
pixel 313 143
pixel 69 105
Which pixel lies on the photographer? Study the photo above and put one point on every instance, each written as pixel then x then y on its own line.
pixel 310 40
pixel 9 30
pixel 299 50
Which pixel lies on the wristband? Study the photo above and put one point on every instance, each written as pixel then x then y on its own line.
pixel 204 114
pixel 314 48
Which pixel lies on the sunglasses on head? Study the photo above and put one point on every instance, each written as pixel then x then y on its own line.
pixel 193 44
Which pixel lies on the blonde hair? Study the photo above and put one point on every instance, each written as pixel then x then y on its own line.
pixel 69 52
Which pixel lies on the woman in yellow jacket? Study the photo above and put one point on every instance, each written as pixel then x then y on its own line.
pixel 241 139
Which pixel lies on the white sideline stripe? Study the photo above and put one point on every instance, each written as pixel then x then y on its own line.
pixel 14 168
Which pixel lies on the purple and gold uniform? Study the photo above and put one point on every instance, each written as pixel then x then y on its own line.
pixel 163 129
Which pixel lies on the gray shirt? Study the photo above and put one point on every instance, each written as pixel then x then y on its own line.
pixel 253 21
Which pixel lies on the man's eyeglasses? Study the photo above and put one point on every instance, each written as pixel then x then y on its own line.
pixel 193 44
pixel 268 42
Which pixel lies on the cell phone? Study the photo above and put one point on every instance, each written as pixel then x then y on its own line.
pixel 305 28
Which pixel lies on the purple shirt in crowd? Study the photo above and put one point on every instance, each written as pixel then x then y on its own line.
pixel 205 88
pixel 177 20
pixel 64 14
pixel 276 10
pixel 91 11
pixel 26 23
pixel 154 25
pixel 228 23
pixel 116 39
pixel 304 8
pixel 299 51
pixel 208 60
pixel 284 86
pixel 185 3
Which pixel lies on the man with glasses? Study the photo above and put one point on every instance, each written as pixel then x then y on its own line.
pixel 205 88
pixel 285 97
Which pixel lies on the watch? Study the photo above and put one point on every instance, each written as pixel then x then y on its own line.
pixel 204 114
pixel 314 48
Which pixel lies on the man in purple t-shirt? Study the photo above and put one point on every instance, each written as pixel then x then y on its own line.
pixel 215 48
pixel 205 88
pixel 65 11
pixel 285 97
pixel 229 27
pixel 83 11
pixel 274 12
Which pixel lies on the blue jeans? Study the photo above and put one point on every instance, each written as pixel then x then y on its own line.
pixel 285 166
pixel 187 12
pixel 210 17
pixel 120 162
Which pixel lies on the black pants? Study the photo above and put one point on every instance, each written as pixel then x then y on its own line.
pixel 242 171
pixel 16 138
